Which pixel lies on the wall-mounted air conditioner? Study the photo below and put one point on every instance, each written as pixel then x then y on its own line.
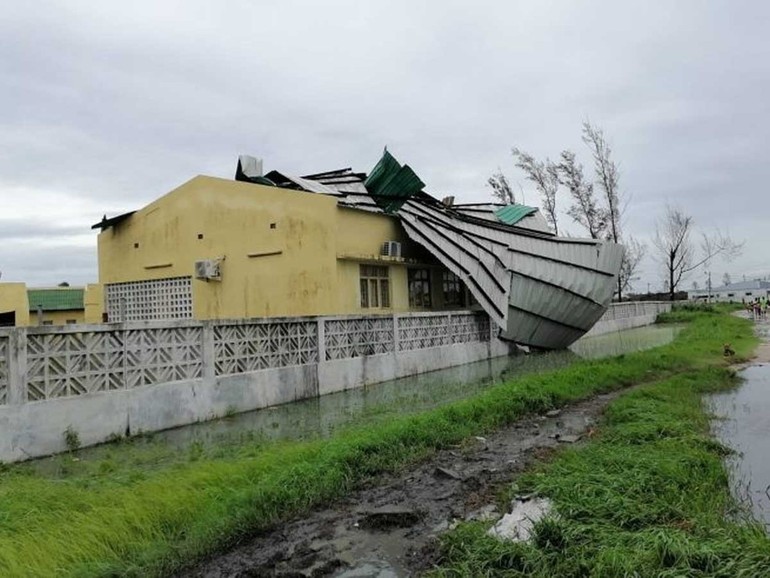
pixel 209 269
pixel 391 249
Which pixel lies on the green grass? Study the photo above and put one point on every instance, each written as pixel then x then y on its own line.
pixel 115 521
pixel 648 497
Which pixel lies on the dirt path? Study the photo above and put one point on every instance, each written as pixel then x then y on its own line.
pixel 389 529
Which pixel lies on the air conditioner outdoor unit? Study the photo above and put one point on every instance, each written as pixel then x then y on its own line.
pixel 391 249
pixel 209 269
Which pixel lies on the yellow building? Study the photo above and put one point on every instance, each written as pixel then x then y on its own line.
pixel 21 307
pixel 221 249
pixel 14 306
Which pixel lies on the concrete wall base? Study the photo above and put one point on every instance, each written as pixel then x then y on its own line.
pixel 36 429
pixel 30 429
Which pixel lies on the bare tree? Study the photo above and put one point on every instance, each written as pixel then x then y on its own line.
pixel 501 188
pixel 545 175
pixel 584 209
pixel 632 258
pixel 608 177
pixel 726 279
pixel 694 285
pixel 673 243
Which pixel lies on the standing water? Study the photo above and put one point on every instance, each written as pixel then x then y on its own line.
pixel 743 424
pixel 323 415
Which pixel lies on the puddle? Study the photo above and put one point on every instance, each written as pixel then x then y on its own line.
pixel 743 424
pixel 628 341
pixel 322 416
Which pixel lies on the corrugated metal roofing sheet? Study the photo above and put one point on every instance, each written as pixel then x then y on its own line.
pixel 541 290
pixel 58 299
pixel 392 184
pixel 512 214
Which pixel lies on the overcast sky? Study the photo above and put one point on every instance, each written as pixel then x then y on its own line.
pixel 105 106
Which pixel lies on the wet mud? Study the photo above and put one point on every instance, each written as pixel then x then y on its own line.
pixel 390 528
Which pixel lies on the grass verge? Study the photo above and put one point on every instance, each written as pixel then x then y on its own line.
pixel 648 497
pixel 155 523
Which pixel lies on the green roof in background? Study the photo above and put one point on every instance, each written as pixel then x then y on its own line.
pixel 512 214
pixel 59 299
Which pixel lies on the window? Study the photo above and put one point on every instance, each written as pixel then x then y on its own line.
pixel 453 289
pixel 71 321
pixel 375 286
pixel 47 322
pixel 419 288
pixel 731 294
pixel 748 293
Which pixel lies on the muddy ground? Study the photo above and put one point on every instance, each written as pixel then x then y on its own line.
pixel 389 529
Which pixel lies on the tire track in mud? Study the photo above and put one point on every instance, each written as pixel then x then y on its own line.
pixel 390 528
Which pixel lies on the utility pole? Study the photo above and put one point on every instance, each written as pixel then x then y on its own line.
pixel 709 286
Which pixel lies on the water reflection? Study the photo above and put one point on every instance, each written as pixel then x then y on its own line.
pixel 321 416
pixel 627 341
pixel 743 424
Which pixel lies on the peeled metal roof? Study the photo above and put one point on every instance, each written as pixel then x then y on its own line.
pixel 512 214
pixel 392 184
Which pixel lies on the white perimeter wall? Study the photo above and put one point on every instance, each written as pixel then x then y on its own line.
pixel 123 379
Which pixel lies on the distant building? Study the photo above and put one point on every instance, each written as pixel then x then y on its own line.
pixel 21 307
pixel 734 292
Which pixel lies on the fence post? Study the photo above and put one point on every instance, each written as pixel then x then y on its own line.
pixel 208 361
pixel 321 337
pixel 17 367
pixel 396 337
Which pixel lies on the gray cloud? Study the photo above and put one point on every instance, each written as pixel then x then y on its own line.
pixel 112 105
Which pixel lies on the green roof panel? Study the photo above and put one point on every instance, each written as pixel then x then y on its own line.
pixel 512 214
pixel 60 299
pixel 391 184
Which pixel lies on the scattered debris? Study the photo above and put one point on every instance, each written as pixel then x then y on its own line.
pixel 570 439
pixel 389 528
pixel 517 526
pixel 447 473
pixel 553 413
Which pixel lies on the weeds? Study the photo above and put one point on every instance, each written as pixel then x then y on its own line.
pixel 648 497
pixel 71 439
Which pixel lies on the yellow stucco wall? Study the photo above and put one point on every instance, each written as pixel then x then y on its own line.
pixel 58 317
pixel 93 300
pixel 13 297
pixel 277 245
pixel 285 253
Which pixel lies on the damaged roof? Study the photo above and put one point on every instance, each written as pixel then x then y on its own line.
pixel 540 289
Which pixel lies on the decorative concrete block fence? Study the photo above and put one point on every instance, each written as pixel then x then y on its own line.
pixel 125 378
